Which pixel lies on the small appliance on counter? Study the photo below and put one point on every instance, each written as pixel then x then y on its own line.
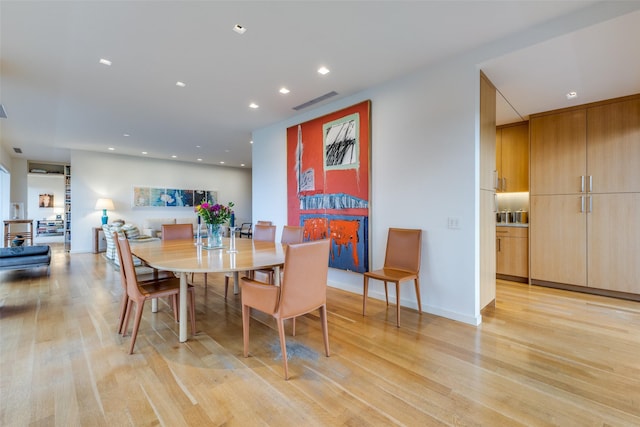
pixel 505 216
pixel 521 217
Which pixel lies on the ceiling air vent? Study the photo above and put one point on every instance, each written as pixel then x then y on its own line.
pixel 17 150
pixel 316 100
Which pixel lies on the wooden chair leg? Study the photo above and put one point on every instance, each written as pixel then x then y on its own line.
pixel 417 283
pixel 123 311
pixel 205 281
pixel 226 286
pixel 283 347
pixel 398 304
pixel 175 306
pixel 325 328
pixel 364 296
pixel 386 293
pixel 136 324
pixel 293 324
pixel 125 323
pixel 246 316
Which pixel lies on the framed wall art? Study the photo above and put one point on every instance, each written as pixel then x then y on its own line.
pixel 171 197
pixel 328 164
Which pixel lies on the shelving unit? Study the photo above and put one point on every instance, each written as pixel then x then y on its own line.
pixel 67 207
pixel 50 227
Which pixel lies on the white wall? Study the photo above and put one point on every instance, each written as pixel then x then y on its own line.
pixel 423 170
pixel 425 160
pixel 96 175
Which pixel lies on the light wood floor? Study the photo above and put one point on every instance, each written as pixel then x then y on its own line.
pixel 541 357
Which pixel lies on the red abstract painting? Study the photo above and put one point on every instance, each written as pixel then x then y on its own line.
pixel 328 177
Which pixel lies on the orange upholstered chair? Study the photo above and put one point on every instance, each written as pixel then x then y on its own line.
pixel 138 293
pixel 290 235
pixel 177 231
pixel 401 264
pixel 261 233
pixel 303 290
pixel 142 279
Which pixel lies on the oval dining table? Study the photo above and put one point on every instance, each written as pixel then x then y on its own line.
pixel 184 257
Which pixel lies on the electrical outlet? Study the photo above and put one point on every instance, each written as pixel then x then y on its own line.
pixel 453 222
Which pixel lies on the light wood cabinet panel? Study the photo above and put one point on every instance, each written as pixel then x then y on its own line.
pixel 614 242
pixel 512 157
pixel 558 234
pixel 512 251
pixel 558 152
pixel 487 134
pixel 613 149
pixel 487 248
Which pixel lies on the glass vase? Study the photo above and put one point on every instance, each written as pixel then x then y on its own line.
pixel 214 233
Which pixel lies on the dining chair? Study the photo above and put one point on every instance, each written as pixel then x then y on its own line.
pixel 290 235
pixel 303 290
pixel 264 223
pixel 246 229
pixel 178 232
pixel 261 233
pixel 401 264
pixel 142 280
pixel 138 293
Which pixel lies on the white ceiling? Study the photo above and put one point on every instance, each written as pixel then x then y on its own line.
pixel 58 97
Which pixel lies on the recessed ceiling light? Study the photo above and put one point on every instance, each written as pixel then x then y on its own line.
pixel 197 146
pixel 242 164
pixel 144 152
pixel 222 163
pixel 111 149
pixel 323 70
pixel 199 160
pixel 251 142
pixel 253 105
pixel 572 95
pixel 284 90
pixel 180 84
pixel 239 29
pixel 105 62
pixel 174 157
pixel 125 134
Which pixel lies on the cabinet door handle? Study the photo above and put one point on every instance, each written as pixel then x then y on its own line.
pixel 581 204
pixel 496 180
pixel 590 204
pixel 590 183
pixel 495 203
pixel 498 245
pixel 582 184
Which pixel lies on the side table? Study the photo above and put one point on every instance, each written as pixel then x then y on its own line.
pixel 9 235
pixel 99 242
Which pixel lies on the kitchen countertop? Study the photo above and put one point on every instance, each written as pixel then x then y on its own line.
pixel 511 224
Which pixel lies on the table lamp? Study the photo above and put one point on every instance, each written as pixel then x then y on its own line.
pixel 104 204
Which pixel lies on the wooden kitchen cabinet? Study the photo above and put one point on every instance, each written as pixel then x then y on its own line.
pixel 487 292
pixel 512 251
pixel 585 195
pixel 558 236
pixel 613 149
pixel 512 157
pixel 558 152
pixel 613 233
